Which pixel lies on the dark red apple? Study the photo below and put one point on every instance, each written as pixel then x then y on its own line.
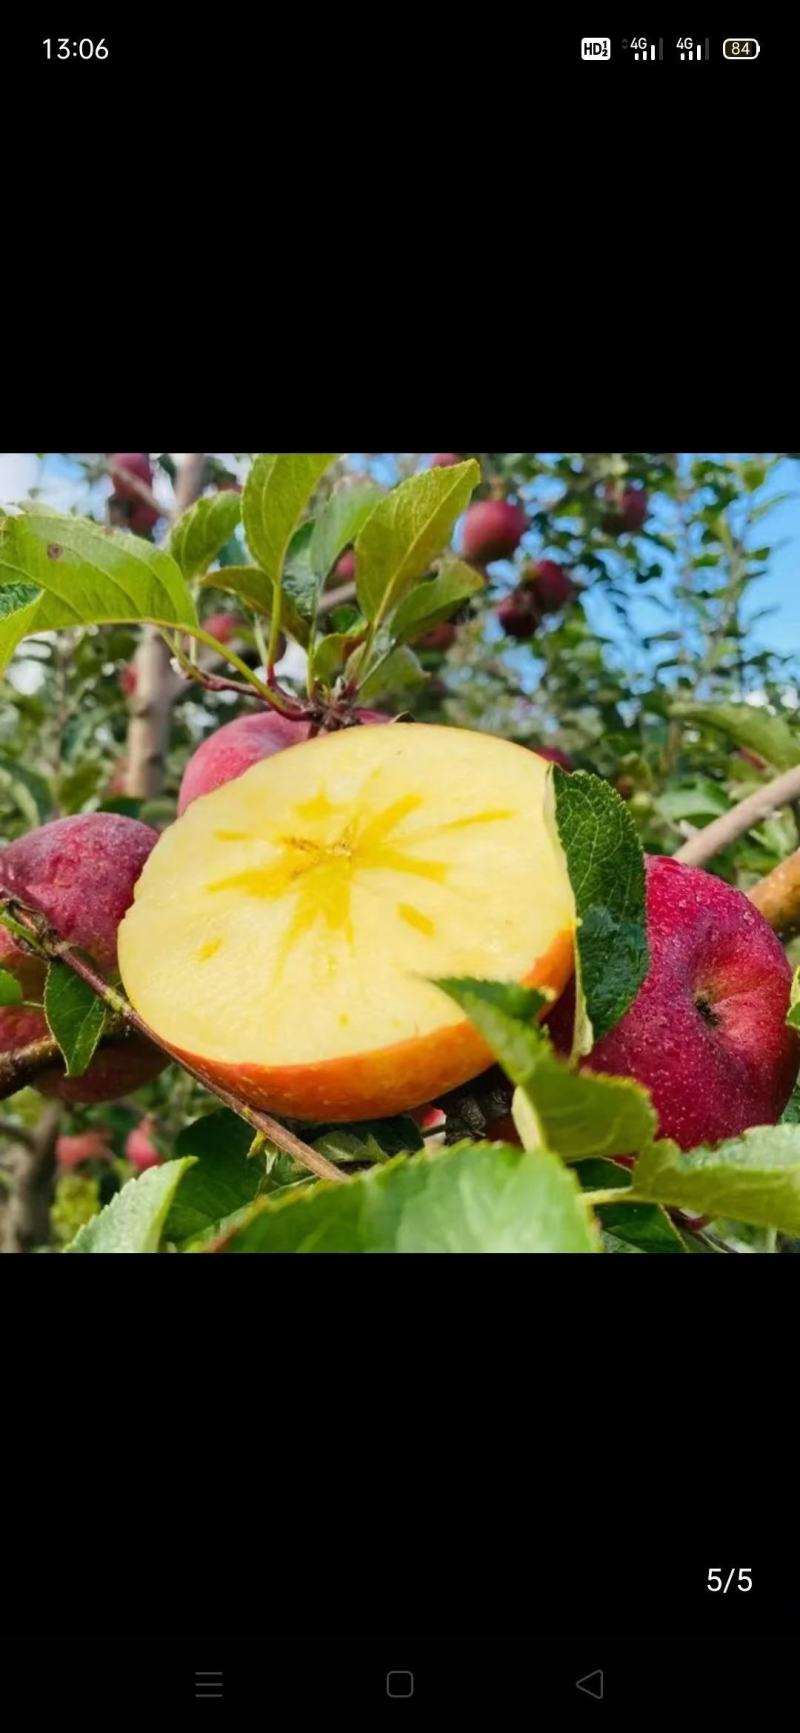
pixel 554 755
pixel 493 530
pixel 551 587
pixel 142 517
pixel 628 510
pixel 135 463
pixel 444 459
pixel 707 1031
pixel 517 617
pixel 441 637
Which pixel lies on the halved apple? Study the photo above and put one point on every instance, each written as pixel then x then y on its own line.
pixel 285 931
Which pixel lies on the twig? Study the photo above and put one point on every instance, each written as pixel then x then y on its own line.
pixel 59 950
pixel 707 843
pixel 331 599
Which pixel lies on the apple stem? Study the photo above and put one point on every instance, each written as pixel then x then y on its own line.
pixel 42 1054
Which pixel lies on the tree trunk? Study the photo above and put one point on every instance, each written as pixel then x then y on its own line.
pixel 151 707
pixel 26 1222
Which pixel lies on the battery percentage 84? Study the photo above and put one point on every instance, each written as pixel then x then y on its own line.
pixel 740 48
pixel 722 1580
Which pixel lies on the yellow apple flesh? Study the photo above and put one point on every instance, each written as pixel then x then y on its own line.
pixel 286 930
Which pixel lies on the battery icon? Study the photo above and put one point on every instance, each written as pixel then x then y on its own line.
pixel 741 48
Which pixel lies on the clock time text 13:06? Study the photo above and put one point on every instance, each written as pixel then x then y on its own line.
pixel 83 50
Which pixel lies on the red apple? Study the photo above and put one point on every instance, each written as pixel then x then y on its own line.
pixel 142 517
pixel 236 746
pixel 440 637
pixel 555 756
pixel 345 567
pixel 223 626
pixel 80 873
pixel 493 530
pixel 551 587
pixel 230 486
pixel 140 1148
pixel 707 1031
pixel 628 511
pixel 517 618
pixel 128 678
pixel 85 1146
pixel 136 463
pixel 444 459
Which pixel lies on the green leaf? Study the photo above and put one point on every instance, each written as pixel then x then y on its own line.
pixel 10 989
pixel 254 588
pixel 748 725
pixel 28 790
pixel 15 596
pixel 641 1227
pixel 340 522
pixel 85 575
pixel 470 1198
pixel 793 1013
pixel 435 599
pixel 330 653
pixel 752 1178
pixel 406 531
pixel 700 799
pixel 223 1178
pixel 75 1017
pixel 134 1220
pixel 394 673
pixel 199 534
pixel 372 1140
pixel 276 493
pixel 299 583
pixel 606 870
pixel 575 1114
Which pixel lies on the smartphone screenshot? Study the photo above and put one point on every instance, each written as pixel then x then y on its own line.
pixel 399 878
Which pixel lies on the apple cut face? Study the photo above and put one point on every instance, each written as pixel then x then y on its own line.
pixel 285 931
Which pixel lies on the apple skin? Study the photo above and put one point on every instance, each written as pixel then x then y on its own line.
pixel 140 1148
pixel 232 749
pixel 85 1146
pixel 441 637
pixel 345 567
pixel 80 873
pixel 142 518
pixel 629 507
pixel 551 586
pixel 707 1031
pixel 554 755
pixel 444 459
pixel 118 1069
pixel 493 530
pixel 223 626
pixel 516 616
pixel 128 679
pixel 138 464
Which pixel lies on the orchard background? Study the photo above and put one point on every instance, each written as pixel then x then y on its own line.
pixel 627 635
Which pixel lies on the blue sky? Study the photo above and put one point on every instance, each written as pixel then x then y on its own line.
pixel 61 484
